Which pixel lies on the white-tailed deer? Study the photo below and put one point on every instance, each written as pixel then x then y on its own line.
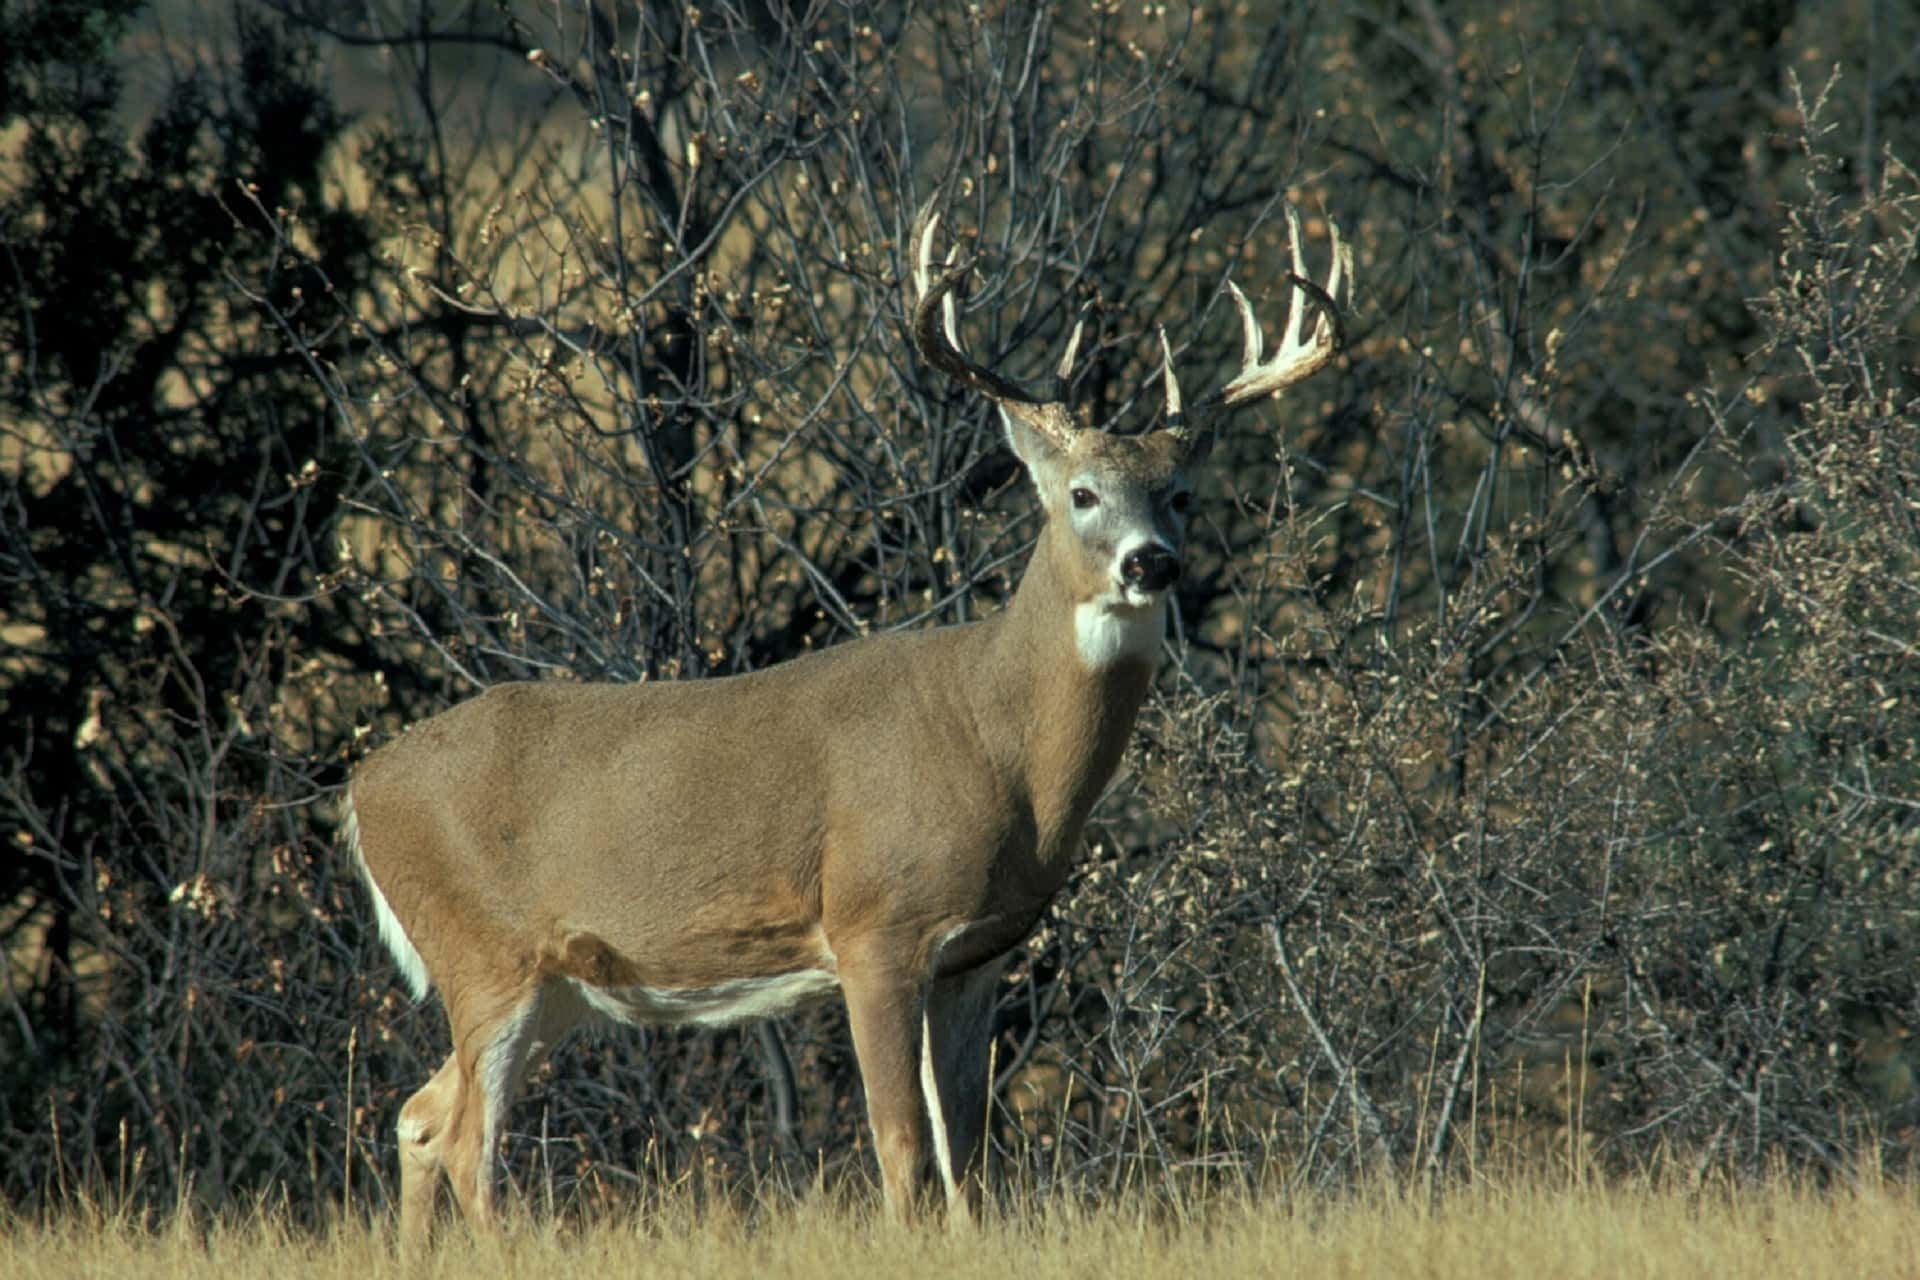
pixel 884 819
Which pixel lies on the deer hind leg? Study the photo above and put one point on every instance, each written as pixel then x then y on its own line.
pixel 422 1132
pixel 492 1058
pixel 955 1032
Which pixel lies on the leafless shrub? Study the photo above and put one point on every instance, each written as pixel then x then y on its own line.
pixel 1538 773
pixel 1653 890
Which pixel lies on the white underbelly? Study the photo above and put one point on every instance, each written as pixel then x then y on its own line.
pixel 736 1000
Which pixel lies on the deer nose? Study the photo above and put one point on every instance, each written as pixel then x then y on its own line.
pixel 1151 567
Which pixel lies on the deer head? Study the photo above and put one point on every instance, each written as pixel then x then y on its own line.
pixel 1116 504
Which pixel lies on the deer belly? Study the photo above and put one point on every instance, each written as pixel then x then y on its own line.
pixel 755 973
pixel 735 1000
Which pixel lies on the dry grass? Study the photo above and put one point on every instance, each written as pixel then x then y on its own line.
pixel 1523 1228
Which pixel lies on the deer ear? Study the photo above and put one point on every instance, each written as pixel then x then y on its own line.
pixel 1031 443
pixel 1192 446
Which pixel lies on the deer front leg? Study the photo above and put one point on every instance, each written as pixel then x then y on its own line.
pixel 884 1009
pixel 957 1029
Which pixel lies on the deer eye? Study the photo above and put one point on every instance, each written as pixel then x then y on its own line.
pixel 1085 499
pixel 1181 501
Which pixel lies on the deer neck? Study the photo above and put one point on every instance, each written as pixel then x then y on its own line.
pixel 1061 722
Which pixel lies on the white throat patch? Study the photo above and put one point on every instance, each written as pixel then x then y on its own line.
pixel 1108 629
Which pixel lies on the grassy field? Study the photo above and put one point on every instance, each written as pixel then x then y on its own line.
pixel 1522 1229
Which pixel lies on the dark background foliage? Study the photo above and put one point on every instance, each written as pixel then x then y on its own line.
pixel 1534 769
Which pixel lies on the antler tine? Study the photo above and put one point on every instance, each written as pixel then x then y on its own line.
pixel 1296 357
pixel 1296 312
pixel 1171 383
pixel 1064 370
pixel 934 322
pixel 924 227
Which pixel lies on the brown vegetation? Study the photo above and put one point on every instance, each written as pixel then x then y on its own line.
pixel 1539 769
pixel 1500 1227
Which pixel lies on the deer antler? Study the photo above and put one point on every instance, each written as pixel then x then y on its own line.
pixel 936 338
pixel 934 318
pixel 1299 354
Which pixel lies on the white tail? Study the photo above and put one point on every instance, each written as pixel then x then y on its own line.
pixel 392 933
pixel 883 820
